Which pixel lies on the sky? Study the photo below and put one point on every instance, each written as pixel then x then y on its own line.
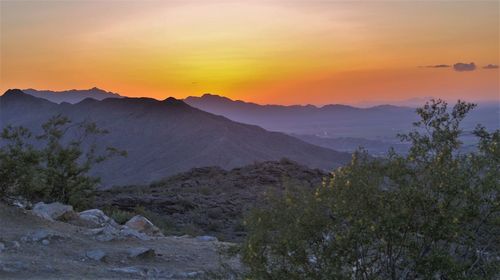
pixel 268 52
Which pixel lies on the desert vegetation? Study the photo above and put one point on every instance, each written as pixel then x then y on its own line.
pixel 430 214
pixel 52 166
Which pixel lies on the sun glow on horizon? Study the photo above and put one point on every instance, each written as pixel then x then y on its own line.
pixel 265 51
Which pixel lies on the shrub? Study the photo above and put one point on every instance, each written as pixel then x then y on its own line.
pixel 431 214
pixel 58 169
pixel 19 164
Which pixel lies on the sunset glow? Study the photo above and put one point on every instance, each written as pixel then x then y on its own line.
pixel 283 52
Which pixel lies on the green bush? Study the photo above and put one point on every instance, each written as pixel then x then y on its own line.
pixel 430 214
pixel 57 169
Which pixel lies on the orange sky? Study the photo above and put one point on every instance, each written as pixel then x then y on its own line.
pixel 270 51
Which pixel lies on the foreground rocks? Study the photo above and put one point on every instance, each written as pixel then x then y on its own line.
pixel 43 248
pixel 95 218
pixel 54 211
pixel 102 227
pixel 143 225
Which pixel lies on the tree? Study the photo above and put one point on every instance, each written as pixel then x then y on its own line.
pixel 19 164
pixel 59 169
pixel 433 213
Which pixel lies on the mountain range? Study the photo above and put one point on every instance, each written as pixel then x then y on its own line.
pixel 166 137
pixel 382 122
pixel 72 96
pixel 334 126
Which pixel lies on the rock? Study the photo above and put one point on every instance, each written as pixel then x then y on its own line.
pixel 45 242
pixel 96 255
pixel 141 252
pixel 19 202
pixel 40 235
pixel 207 238
pixel 15 245
pixel 106 233
pixel 128 232
pixel 109 233
pixel 143 225
pixel 96 218
pixel 36 235
pixel 54 211
pixel 130 270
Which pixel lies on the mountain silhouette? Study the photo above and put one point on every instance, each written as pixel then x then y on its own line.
pixel 72 96
pixel 166 137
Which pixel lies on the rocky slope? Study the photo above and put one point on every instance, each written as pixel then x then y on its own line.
pixel 211 200
pixel 32 247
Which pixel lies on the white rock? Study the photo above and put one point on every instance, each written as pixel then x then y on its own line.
pixel 143 225
pixel 53 211
pixel 141 252
pixel 96 255
pixel 96 218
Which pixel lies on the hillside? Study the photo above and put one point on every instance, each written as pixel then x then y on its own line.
pixel 211 200
pixel 166 137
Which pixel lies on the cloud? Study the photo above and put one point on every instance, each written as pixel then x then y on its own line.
pixel 438 66
pixel 461 67
pixel 491 66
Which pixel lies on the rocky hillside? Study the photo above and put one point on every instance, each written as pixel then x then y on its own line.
pixel 210 200
pixel 53 242
pixel 166 137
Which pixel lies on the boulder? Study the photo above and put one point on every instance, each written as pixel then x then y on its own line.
pixel 129 232
pixel 54 211
pixel 96 255
pixel 41 235
pixel 143 225
pixel 106 233
pixel 96 218
pixel 110 233
pixel 141 252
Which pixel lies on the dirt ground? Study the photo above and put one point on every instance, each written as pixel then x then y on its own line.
pixel 63 253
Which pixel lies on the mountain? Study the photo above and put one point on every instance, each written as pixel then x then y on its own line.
pixel 166 137
pixel 333 120
pixel 72 96
pixel 381 122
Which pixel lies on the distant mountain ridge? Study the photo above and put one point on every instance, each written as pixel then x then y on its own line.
pixel 72 96
pixel 165 137
pixel 382 122
pixel 334 120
